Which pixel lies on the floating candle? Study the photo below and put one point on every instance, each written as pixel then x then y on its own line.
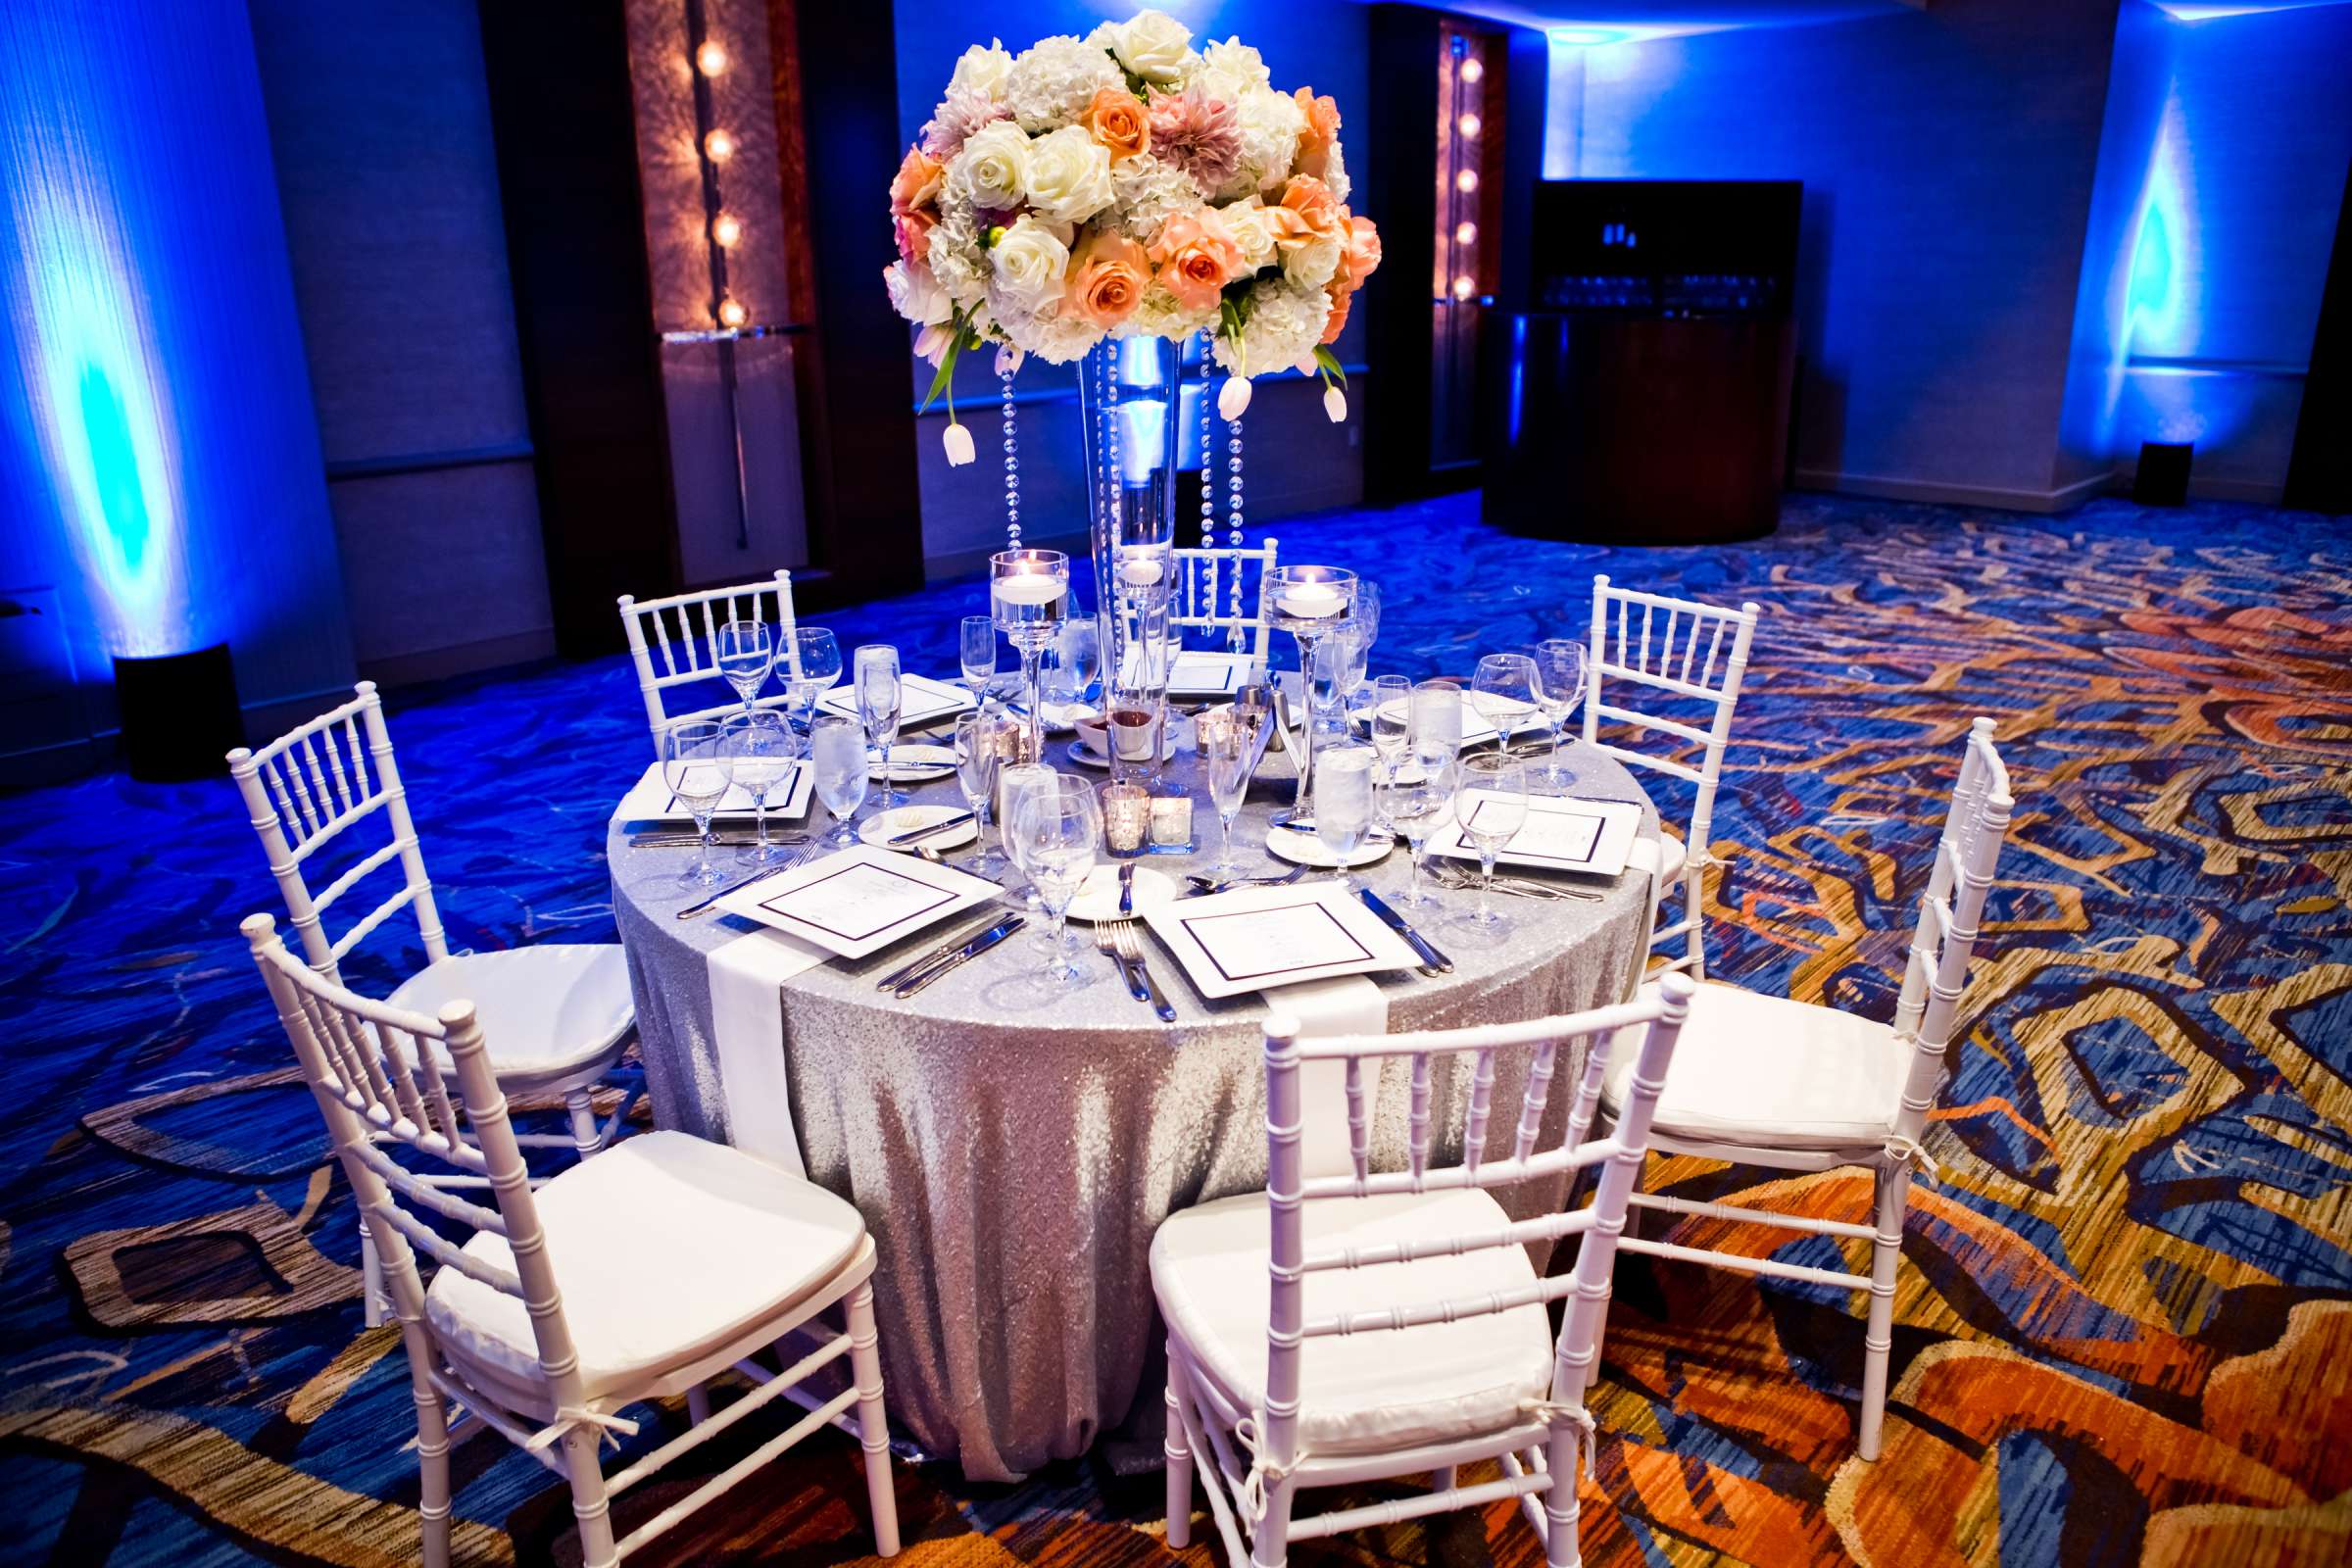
pixel 1030 588
pixel 1311 600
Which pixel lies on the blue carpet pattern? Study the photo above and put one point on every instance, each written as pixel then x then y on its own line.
pixel 2124 1330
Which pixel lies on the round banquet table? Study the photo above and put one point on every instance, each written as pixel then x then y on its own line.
pixel 1013 1148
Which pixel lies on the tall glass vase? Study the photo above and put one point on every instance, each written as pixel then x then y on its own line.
pixel 1129 402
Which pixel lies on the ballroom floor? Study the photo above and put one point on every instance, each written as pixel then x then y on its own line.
pixel 2125 1331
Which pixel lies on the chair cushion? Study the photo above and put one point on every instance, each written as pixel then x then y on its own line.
pixel 666 1248
pixel 1662 853
pixel 545 1012
pixel 1768 1072
pixel 1360 1392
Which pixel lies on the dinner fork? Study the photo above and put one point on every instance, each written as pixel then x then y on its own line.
pixel 1131 950
pixel 1110 949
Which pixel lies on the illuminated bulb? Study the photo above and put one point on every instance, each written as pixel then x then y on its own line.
pixel 1463 287
pixel 1466 180
pixel 726 229
pixel 720 145
pixel 1464 233
pixel 732 314
pixel 1472 69
pixel 1468 125
pixel 711 59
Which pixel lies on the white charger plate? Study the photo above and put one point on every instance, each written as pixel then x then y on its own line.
pixel 1304 849
pixel 884 825
pixel 1593 837
pixel 1231 944
pixel 916 764
pixel 921 701
pixel 649 800
pixel 860 900
pixel 1086 756
pixel 1099 895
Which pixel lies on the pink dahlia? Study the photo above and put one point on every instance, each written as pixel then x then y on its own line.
pixel 1198 134
pixel 961 113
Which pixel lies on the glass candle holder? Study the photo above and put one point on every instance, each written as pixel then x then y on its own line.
pixel 1311 603
pixel 1172 820
pixel 1029 595
pixel 1126 817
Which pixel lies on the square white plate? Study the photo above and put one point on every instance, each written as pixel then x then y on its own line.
pixel 1478 725
pixel 1201 672
pixel 859 900
pixel 1561 834
pixel 1234 943
pixel 649 801
pixel 921 699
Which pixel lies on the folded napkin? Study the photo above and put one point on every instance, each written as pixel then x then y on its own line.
pixel 747 1035
pixel 1343 1004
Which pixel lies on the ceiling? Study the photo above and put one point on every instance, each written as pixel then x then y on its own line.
pixel 1616 20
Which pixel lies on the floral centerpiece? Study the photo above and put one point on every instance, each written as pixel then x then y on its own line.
pixel 1126 184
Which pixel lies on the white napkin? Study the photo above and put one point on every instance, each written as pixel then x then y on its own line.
pixel 1343 1004
pixel 747 1031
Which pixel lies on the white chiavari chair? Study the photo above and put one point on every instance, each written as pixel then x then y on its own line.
pixel 638 1275
pixel 562 1010
pixel 1401 1329
pixel 1222 592
pixel 1688 657
pixel 1798 1087
pixel 683 632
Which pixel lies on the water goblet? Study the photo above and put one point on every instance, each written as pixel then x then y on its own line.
pixel 1559 686
pixel 1060 828
pixel 1504 691
pixel 1415 796
pixel 977 760
pixel 1391 716
pixel 976 644
pixel 1490 801
pixel 758 749
pixel 1343 803
pixel 837 752
pixel 878 700
pixel 811 664
pixel 1227 757
pixel 693 766
pixel 1077 661
pixel 746 652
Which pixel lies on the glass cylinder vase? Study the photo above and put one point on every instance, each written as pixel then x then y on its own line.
pixel 1129 404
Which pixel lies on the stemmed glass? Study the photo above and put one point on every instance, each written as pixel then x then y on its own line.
pixel 1028 593
pixel 1059 829
pixel 1226 758
pixel 1077 661
pixel 746 651
pixel 1507 683
pixel 693 766
pixel 837 751
pixel 1490 801
pixel 878 698
pixel 1343 803
pixel 811 661
pixel 1311 603
pixel 1415 793
pixel 758 749
pixel 1391 716
pixel 976 643
pixel 976 762
pixel 1559 686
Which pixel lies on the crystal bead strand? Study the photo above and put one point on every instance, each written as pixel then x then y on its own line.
pixel 1233 516
pixel 1208 490
pixel 1013 468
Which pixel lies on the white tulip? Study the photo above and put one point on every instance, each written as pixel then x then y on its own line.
pixel 1335 405
pixel 1233 397
pixel 1067 175
pixel 958 439
pixel 1153 45
pixel 1030 264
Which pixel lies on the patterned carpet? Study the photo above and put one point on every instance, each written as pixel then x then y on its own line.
pixel 2125 1329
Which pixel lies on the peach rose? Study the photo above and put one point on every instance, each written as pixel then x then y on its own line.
pixel 1361 250
pixel 1196 257
pixel 1118 121
pixel 1341 300
pixel 1108 280
pixel 916 183
pixel 1322 132
pixel 1308 212
pixel 912 230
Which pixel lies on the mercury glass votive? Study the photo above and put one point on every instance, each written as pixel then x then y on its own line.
pixel 1172 820
pixel 1126 817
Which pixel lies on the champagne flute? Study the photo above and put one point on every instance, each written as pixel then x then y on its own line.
pixel 1391 716
pixel 1504 687
pixel 976 642
pixel 811 661
pixel 1490 801
pixel 878 700
pixel 1560 687
pixel 1343 803
pixel 1226 758
pixel 693 766
pixel 1415 795
pixel 1060 828
pixel 758 749
pixel 746 651
pixel 837 751
pixel 977 760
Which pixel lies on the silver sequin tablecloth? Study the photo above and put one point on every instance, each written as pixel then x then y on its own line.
pixel 1014 1149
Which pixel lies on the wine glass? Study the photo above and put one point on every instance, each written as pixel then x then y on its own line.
pixel 1559 686
pixel 746 651
pixel 1435 725
pixel 879 698
pixel 1506 686
pixel 976 762
pixel 1014 782
pixel 693 766
pixel 1028 593
pixel 1343 803
pixel 811 661
pixel 1059 829
pixel 1490 801
pixel 1077 661
pixel 1415 796
pixel 976 642
pixel 1227 757
pixel 1391 716
pixel 1365 616
pixel 758 749
pixel 837 751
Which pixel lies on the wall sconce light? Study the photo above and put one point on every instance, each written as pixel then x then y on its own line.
pixel 710 60
pixel 1465 232
pixel 726 229
pixel 731 313
pixel 1466 181
pixel 1469 124
pixel 1473 69
pixel 719 146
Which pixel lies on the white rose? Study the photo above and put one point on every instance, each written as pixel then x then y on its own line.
pixel 983 70
pixel 915 294
pixel 1030 262
pixel 1153 45
pixel 1247 219
pixel 1312 264
pixel 1235 59
pixel 1067 175
pixel 988 172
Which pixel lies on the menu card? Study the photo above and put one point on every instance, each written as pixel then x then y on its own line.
pixel 859 900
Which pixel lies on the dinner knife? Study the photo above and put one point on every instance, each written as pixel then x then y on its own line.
pixel 908 971
pixel 970 950
pixel 917 836
pixel 1432 963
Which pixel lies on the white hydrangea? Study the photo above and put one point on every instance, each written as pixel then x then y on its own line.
pixel 1056 334
pixel 958 261
pixel 982 71
pixel 1286 322
pixel 1147 193
pixel 1334 174
pixel 1311 265
pixel 1231 68
pixel 1160 316
pixel 1051 82
pixel 1271 125
pixel 915 294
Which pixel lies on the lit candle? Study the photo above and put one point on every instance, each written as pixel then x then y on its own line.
pixel 1141 572
pixel 1126 809
pixel 1172 819
pixel 1311 600
pixel 1030 588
